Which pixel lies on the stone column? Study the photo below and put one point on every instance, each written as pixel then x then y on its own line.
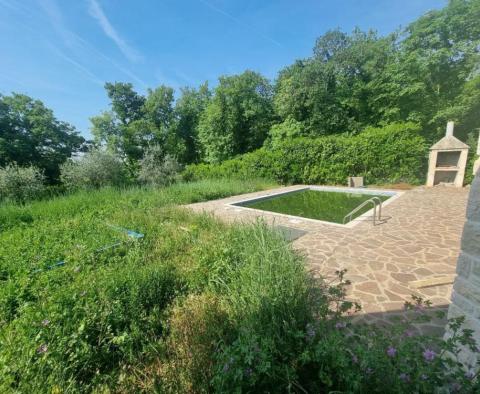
pixel 462 164
pixel 450 126
pixel 476 165
pixel 466 288
pixel 432 160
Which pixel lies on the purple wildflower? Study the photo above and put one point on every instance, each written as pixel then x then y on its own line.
pixel 340 325
pixel 42 349
pixel 310 332
pixel 409 333
pixel 391 351
pixel 429 355
pixel 456 386
pixel 226 366
pixel 404 377
pixel 470 374
pixel 45 322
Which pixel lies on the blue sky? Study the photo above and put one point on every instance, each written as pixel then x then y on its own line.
pixel 62 51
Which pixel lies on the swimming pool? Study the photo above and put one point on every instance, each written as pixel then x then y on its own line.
pixel 326 204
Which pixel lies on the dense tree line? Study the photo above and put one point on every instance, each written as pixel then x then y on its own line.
pixel 427 73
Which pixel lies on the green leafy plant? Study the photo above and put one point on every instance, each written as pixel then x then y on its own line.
pixel 93 170
pixel 158 168
pixel 394 153
pixel 20 184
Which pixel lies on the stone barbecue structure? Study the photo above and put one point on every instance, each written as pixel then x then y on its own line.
pixel 447 160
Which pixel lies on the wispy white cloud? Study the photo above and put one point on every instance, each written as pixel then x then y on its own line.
pixel 119 67
pixel 240 22
pixel 55 16
pixel 97 13
pixel 78 66
pixel 10 5
pixel 77 44
pixel 187 78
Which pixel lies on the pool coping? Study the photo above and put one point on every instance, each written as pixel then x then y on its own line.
pixel 395 194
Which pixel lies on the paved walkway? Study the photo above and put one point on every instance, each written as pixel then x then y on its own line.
pixel 413 252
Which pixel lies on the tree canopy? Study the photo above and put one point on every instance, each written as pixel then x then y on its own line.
pixel 31 135
pixel 136 122
pixel 238 117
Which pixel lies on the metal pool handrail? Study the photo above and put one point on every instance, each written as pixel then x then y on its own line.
pixel 375 201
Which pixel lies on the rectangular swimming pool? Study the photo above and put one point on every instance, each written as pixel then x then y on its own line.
pixel 325 204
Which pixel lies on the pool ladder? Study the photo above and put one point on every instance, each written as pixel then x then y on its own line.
pixel 375 201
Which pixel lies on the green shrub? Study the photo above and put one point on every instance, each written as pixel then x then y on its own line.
pixel 394 153
pixel 288 129
pixel 158 169
pixel 21 184
pixel 93 170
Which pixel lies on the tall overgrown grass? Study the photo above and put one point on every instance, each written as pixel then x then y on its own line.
pixel 79 298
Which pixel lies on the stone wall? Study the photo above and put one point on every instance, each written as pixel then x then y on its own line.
pixel 466 289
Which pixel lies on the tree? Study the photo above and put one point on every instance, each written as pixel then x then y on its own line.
pixel 188 110
pixel 238 117
pixel 136 122
pixel 158 107
pixel 330 44
pixel 332 91
pixel 308 93
pixel 437 58
pixel 30 135
pixel 126 103
pixel 106 130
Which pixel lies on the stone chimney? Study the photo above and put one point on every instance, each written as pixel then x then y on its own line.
pixel 450 126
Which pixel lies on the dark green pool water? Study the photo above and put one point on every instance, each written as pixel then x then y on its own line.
pixel 329 206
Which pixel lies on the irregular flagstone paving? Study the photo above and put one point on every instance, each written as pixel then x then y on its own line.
pixel 418 240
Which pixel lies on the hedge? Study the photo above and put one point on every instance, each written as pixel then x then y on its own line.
pixel 394 153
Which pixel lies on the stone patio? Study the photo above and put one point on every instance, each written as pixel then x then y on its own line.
pixel 413 251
